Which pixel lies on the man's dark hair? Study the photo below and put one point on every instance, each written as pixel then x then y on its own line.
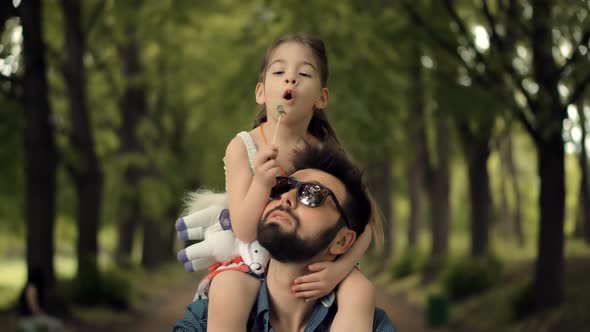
pixel 332 159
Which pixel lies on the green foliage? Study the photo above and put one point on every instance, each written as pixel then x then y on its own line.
pixel 469 276
pixel 434 266
pixel 408 264
pixel 115 290
pixel 200 64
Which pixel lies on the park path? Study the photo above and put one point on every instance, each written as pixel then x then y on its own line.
pixel 405 316
pixel 164 307
pixel 167 306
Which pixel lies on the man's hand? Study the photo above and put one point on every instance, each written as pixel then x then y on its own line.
pixel 320 282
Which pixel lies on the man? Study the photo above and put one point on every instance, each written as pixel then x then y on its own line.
pixel 314 215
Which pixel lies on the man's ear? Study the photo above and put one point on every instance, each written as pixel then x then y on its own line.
pixel 342 242
pixel 260 99
pixel 322 103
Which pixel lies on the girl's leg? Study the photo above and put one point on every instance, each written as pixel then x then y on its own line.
pixel 356 304
pixel 231 297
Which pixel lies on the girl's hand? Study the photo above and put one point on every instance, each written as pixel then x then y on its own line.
pixel 266 167
pixel 323 279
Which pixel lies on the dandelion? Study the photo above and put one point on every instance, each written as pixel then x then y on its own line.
pixel 281 111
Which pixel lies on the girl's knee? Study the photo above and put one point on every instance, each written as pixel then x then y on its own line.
pixel 235 283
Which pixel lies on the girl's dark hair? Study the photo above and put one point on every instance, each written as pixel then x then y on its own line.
pixel 319 126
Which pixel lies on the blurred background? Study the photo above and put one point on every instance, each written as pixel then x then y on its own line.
pixel 470 118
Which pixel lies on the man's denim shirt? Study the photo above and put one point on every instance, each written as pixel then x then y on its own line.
pixel 195 316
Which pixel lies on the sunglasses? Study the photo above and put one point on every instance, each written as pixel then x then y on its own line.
pixel 309 194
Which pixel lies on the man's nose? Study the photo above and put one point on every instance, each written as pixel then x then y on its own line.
pixel 288 199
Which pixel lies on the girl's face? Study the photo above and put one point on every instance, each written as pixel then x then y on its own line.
pixel 292 79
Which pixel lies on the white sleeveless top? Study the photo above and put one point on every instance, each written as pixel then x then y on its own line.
pixel 250 148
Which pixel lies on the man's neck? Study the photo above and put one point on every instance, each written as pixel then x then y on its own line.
pixel 287 313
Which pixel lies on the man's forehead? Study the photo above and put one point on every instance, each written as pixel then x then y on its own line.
pixel 327 180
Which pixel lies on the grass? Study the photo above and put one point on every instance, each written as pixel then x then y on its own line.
pixel 13 276
pixel 148 288
pixel 146 285
pixel 13 267
pixel 491 310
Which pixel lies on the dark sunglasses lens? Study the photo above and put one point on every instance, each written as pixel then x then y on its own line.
pixel 283 185
pixel 312 194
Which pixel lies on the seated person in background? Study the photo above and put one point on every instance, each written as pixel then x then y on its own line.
pixel 32 316
pixel 312 216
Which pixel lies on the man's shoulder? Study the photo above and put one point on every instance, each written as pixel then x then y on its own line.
pixel 381 322
pixel 195 317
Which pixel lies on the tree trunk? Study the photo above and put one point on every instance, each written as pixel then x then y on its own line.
pixel 415 196
pixel 584 181
pixel 548 286
pixel 419 160
pixel 507 223
pixel 438 179
pixel 133 107
pixel 169 234
pixel 439 194
pixel 153 239
pixel 130 212
pixel 7 11
pixel 511 165
pixel 380 184
pixel 86 172
pixel 40 149
pixel 478 151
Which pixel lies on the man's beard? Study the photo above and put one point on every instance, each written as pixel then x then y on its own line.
pixel 287 246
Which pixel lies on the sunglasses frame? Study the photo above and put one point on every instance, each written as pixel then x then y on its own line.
pixel 297 185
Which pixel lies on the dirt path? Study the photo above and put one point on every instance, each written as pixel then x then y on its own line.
pixel 404 316
pixel 161 308
pixel 169 307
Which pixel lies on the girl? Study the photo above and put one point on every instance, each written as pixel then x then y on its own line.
pixel 293 79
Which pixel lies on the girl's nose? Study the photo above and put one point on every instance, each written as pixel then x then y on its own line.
pixel 293 81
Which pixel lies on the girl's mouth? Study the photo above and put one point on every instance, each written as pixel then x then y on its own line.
pixel 288 95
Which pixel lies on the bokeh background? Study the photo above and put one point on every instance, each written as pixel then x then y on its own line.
pixel 469 117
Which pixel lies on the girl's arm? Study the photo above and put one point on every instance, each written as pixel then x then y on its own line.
pixel 356 252
pixel 247 194
pixel 326 275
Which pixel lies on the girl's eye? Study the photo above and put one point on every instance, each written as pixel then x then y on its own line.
pixel 278 72
pixel 305 74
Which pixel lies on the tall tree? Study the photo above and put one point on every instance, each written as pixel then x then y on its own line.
pixel 419 154
pixel 158 236
pixel 7 11
pixel 133 107
pixel 530 84
pixel 473 113
pixel 40 150
pixel 380 183
pixel 511 176
pixel 438 188
pixel 477 153
pixel 85 169
pixel 584 181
